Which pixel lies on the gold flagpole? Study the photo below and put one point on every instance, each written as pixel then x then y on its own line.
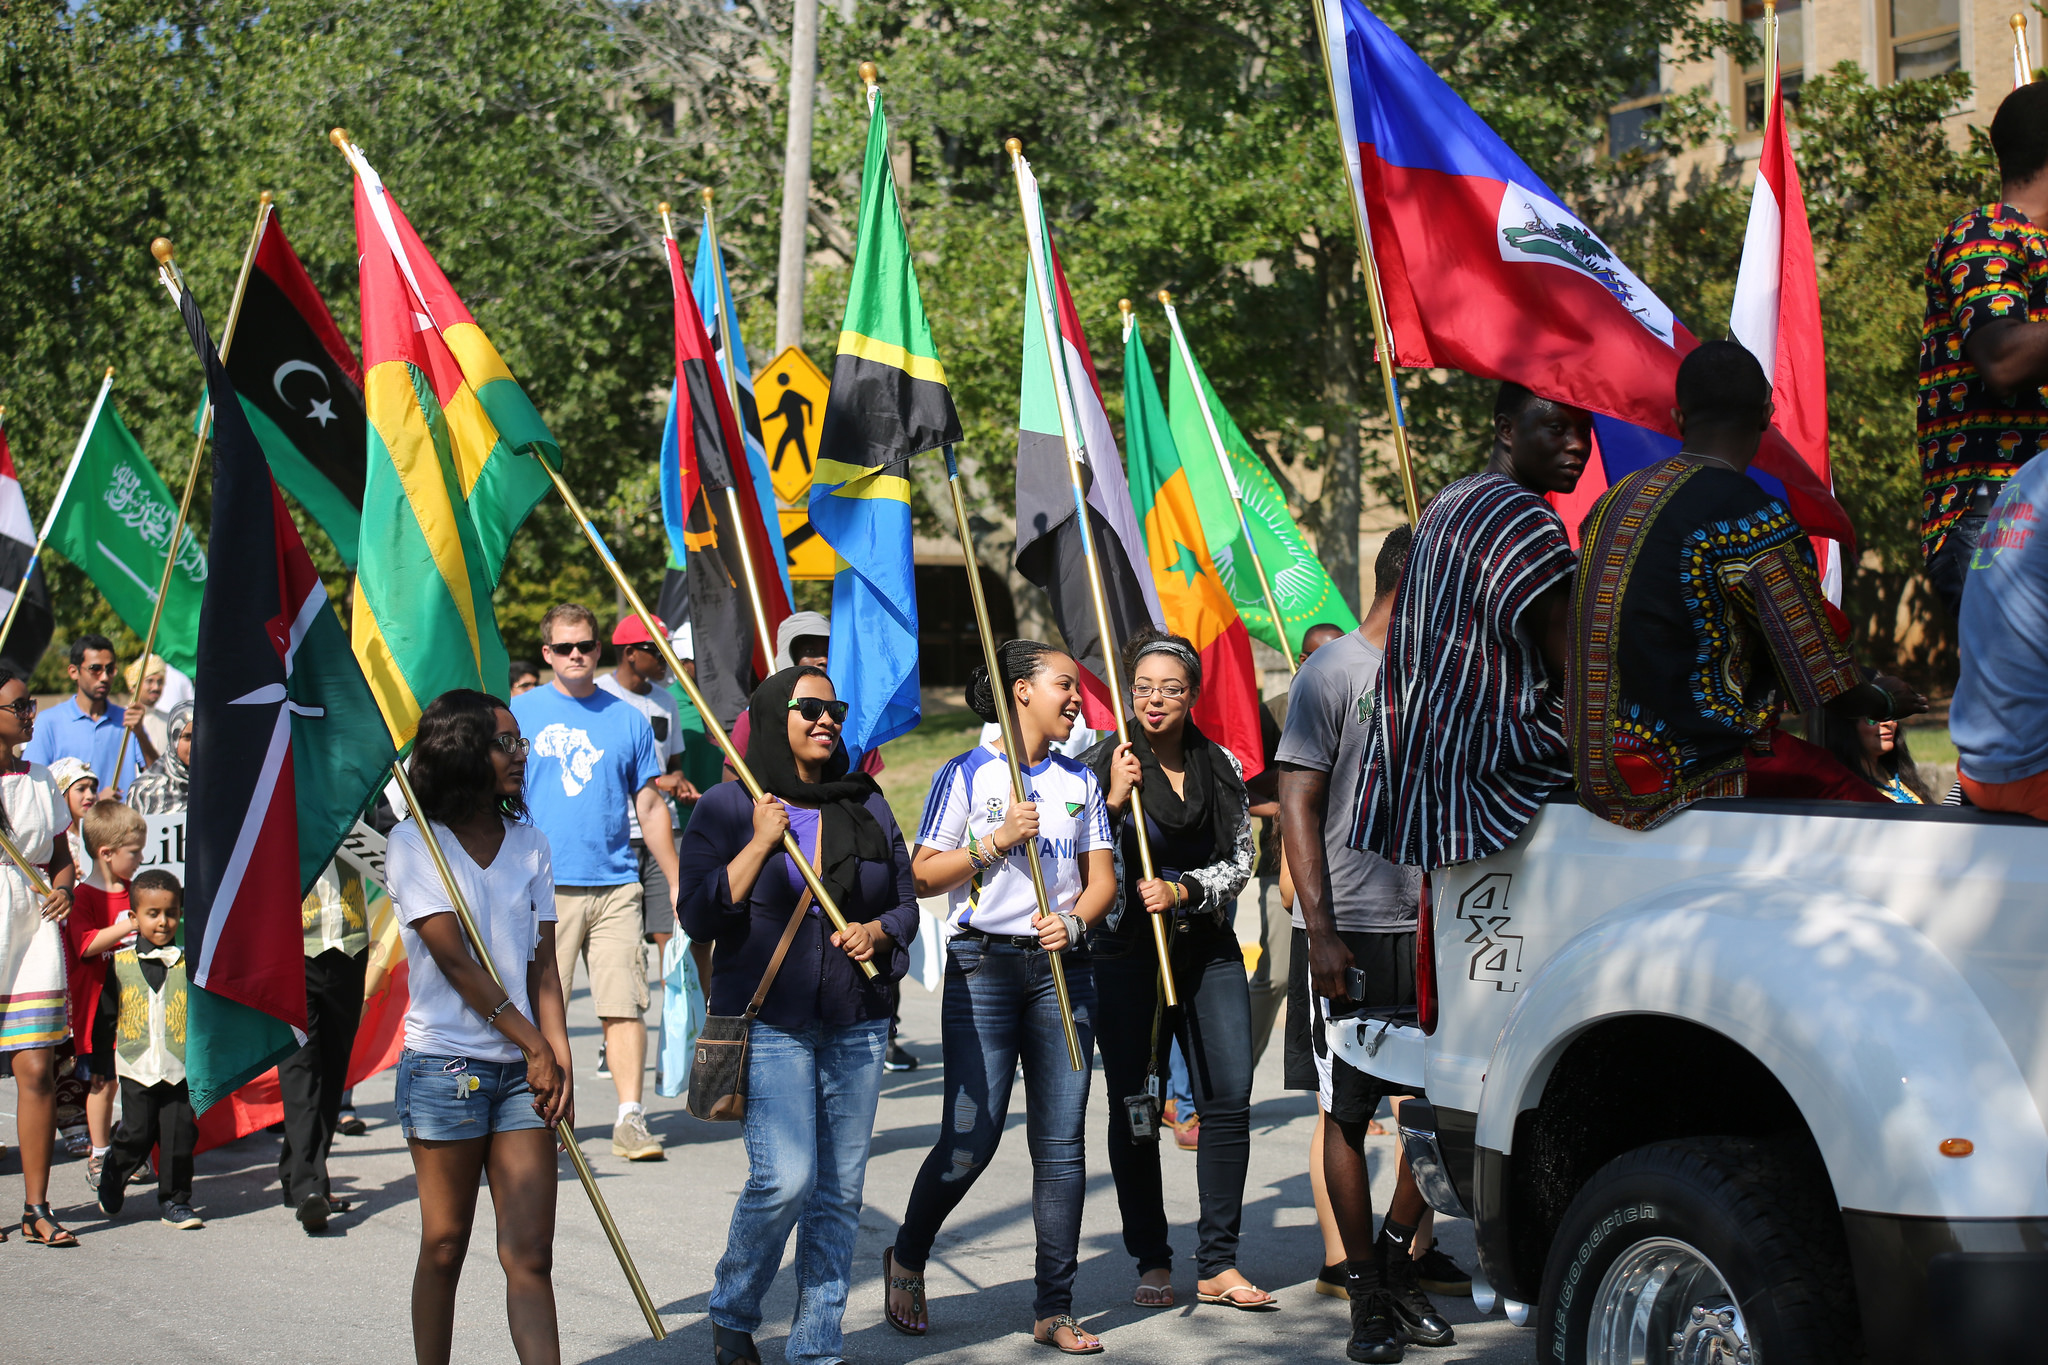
pixel 1244 526
pixel 1382 337
pixel 173 280
pixel 29 870
pixel 50 517
pixel 745 468
pixel 563 1131
pixel 1770 61
pixel 1041 273
pixel 2022 52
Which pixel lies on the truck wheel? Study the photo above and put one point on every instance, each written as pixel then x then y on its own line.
pixel 1707 1250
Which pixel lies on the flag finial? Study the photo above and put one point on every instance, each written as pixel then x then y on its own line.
pixel 662 208
pixel 162 249
pixel 1165 299
pixel 340 138
pixel 1124 306
pixel 2019 22
pixel 1014 146
pixel 110 371
pixel 707 193
pixel 870 73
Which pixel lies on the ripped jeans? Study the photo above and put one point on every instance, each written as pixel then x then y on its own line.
pixel 999 1009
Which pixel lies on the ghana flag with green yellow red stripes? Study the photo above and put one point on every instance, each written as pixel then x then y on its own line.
pixel 1191 592
pixel 453 469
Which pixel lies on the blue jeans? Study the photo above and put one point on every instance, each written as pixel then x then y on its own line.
pixel 1000 1008
pixel 811 1096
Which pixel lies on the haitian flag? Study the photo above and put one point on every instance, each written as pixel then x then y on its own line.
pixel 1485 270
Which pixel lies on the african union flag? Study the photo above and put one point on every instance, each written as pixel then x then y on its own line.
pixel 450 472
pixel 888 402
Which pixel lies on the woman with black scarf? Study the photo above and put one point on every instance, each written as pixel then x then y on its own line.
pixel 814 1066
pixel 1197 817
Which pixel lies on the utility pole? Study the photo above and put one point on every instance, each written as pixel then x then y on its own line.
pixel 796 175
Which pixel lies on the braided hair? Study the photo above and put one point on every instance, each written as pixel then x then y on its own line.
pixel 1019 660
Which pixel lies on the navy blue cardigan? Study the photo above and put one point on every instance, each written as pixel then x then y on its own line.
pixel 818 984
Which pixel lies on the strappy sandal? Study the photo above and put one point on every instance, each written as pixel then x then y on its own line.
pixel 32 1214
pixel 733 1348
pixel 1051 1337
pixel 1230 1298
pixel 912 1285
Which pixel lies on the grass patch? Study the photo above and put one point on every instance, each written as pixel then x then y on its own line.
pixel 915 758
pixel 1930 744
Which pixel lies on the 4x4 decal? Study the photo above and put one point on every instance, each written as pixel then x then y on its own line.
pixel 1497 954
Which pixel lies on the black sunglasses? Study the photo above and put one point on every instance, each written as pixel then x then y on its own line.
pixel 813 709
pixel 24 708
pixel 572 647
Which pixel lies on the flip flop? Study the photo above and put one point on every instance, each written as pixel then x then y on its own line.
pixel 912 1285
pixel 1153 1295
pixel 1231 1298
pixel 1066 1320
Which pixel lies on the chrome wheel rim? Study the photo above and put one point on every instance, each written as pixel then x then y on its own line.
pixel 1663 1303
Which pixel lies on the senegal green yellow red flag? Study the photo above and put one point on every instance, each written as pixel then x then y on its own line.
pixel 1301 586
pixel 454 467
pixel 1191 592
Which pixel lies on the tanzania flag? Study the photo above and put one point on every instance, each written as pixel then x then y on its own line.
pixel 454 451
pixel 302 389
pixel 888 402
pixel 707 282
pixel 33 623
pixel 293 748
pixel 113 519
pixel 1190 589
pixel 1301 587
pixel 1049 540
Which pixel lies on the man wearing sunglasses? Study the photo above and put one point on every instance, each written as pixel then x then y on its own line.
pixel 591 772
pixel 88 727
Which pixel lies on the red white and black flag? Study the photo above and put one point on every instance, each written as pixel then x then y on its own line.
pixel 30 635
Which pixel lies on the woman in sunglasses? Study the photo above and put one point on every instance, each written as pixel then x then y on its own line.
pixel 1197 819
pixel 814 1059
pixel 1000 1006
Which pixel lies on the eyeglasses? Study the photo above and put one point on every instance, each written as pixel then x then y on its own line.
pixel 814 709
pixel 23 708
pixel 1170 691
pixel 572 647
pixel 516 745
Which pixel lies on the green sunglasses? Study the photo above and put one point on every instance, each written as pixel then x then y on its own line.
pixel 812 709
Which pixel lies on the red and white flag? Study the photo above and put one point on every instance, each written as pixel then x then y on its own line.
pixel 20 572
pixel 1777 314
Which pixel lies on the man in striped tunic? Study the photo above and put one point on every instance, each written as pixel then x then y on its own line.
pixel 1467 732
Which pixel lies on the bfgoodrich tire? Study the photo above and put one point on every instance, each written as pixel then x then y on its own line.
pixel 1729 1238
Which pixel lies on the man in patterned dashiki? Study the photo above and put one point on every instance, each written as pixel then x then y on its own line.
pixel 1983 410
pixel 1466 737
pixel 1697 607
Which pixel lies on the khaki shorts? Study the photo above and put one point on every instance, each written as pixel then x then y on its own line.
pixel 602 925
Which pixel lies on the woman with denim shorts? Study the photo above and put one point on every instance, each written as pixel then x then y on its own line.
pixel 485 1075
pixel 814 1052
pixel 1000 1006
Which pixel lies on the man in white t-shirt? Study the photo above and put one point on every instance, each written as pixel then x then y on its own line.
pixel 637 682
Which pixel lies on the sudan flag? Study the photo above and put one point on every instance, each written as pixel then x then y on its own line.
pixel 1190 589
pixel 291 750
pixel 302 389
pixel 1059 394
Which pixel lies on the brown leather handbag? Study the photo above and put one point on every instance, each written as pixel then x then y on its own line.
pixel 718 1068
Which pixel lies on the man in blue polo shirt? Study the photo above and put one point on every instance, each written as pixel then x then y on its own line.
pixel 593 760
pixel 87 726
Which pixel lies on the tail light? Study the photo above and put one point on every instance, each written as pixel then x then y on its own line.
pixel 1425 961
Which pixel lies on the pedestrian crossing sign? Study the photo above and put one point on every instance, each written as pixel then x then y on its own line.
pixel 790 395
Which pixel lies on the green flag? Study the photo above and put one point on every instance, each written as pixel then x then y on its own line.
pixel 1301 587
pixel 114 521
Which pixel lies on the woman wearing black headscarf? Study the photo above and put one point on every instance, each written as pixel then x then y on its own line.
pixel 1197 818
pixel 814 1060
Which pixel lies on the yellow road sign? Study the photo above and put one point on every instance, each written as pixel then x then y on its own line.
pixel 808 554
pixel 790 396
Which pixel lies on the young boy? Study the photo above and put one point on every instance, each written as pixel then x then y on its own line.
pixel 114 835
pixel 149 1046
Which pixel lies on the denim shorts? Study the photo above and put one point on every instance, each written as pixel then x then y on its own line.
pixel 448 1099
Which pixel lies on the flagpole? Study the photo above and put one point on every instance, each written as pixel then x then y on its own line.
pixel 1772 108
pixel 563 1131
pixel 50 517
pixel 1055 356
pixel 1382 336
pixel 2022 52
pixel 729 344
pixel 1244 526
pixel 174 283
pixel 689 684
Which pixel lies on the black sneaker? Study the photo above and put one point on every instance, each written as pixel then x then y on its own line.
pixel 113 1194
pixel 1420 1322
pixel 1375 1327
pixel 1331 1282
pixel 1439 1274
pixel 182 1216
pixel 896 1059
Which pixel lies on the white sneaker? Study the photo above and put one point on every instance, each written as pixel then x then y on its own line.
pixel 631 1140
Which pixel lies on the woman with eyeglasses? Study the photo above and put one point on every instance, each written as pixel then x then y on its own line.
pixel 1000 1007
pixel 814 1048
pixel 1198 822
pixel 34 1015
pixel 485 1074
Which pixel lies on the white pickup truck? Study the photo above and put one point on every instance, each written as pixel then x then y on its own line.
pixel 1764 1085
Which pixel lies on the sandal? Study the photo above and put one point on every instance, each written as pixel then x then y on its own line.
pixel 1240 1297
pixel 912 1285
pixel 1051 1338
pixel 1152 1295
pixel 32 1214
pixel 733 1348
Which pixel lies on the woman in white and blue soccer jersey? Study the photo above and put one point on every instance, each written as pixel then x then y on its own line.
pixel 999 1006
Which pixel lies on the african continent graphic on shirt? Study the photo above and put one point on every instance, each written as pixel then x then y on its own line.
pixel 571 745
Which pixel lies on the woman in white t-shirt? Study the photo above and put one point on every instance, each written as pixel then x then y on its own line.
pixel 485 1076
pixel 999 1006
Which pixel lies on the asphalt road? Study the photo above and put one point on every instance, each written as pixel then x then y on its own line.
pixel 253 1287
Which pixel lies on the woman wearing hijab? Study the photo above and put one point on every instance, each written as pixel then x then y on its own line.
pixel 1000 1007
pixel 802 639
pixel 814 1052
pixel 1197 819
pixel 165 785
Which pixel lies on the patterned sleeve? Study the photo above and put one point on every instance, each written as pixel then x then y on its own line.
pixel 1814 666
pixel 1983 269
pixel 944 826
pixel 1222 881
